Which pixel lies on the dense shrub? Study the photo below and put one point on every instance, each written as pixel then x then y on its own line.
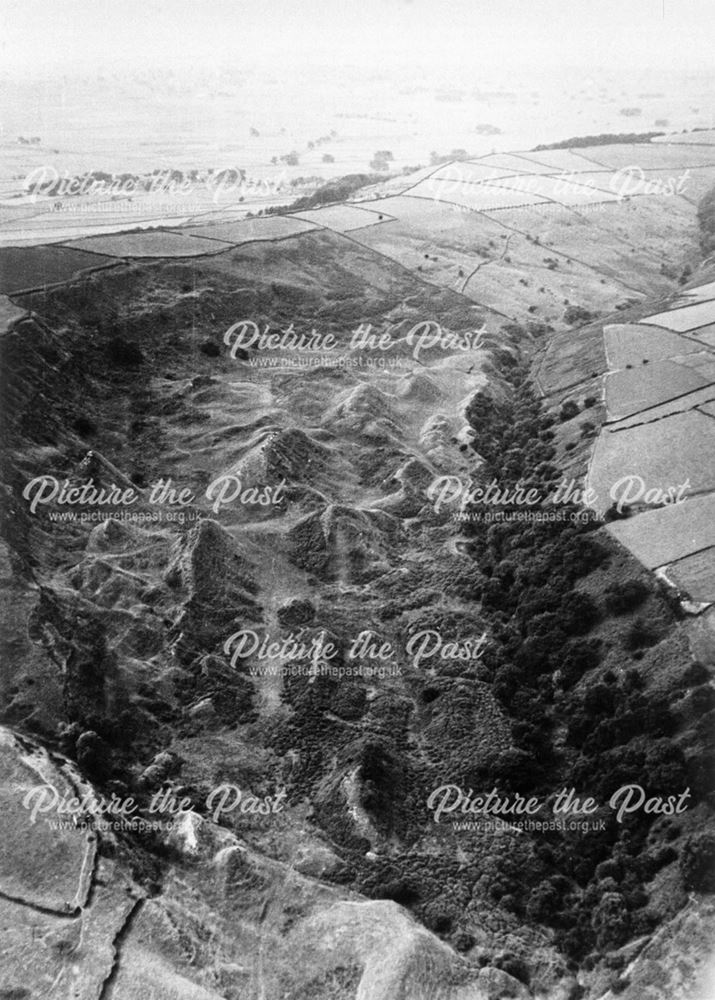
pixel 579 656
pixel 601 139
pixel 576 315
pixel 706 221
pixel 463 941
pixel 545 901
pixel 438 917
pixel 640 635
pixel 620 598
pixel 507 682
pixel 611 921
pixel 404 891
pixel 339 189
pixel 568 411
pixel 579 612
pixel 581 555
pixel 697 863
pixel 617 731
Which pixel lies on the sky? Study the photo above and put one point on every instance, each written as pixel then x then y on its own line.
pixel 63 36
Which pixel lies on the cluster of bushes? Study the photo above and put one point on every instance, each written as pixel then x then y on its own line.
pixel 532 328
pixel 333 191
pixel 568 411
pixel 574 315
pixel 697 863
pixel 620 598
pixel 602 139
pixel 617 731
pixel 436 158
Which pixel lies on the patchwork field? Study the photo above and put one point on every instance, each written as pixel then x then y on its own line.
pixel 663 536
pixel 632 344
pixel 45 229
pixel 534 290
pixel 704 335
pixel 706 137
pixel 703 362
pixel 343 218
pixel 579 237
pixel 567 191
pixel 633 390
pixel 82 212
pixel 228 214
pixel 676 404
pixel 271 227
pixel 166 243
pixel 393 186
pixel 643 222
pixel 685 318
pixel 664 453
pixel 658 422
pixel 476 172
pixel 690 183
pixel 511 273
pixel 649 156
pixel 695 575
pixel 513 162
pixel 478 196
pixel 561 160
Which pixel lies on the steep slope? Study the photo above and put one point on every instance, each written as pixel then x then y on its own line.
pixel 235 573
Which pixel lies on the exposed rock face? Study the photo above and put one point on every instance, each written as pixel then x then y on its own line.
pixel 225 920
pixel 63 903
pixel 676 962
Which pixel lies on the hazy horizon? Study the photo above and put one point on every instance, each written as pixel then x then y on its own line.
pixel 40 39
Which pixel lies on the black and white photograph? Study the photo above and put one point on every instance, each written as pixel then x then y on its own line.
pixel 357 500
